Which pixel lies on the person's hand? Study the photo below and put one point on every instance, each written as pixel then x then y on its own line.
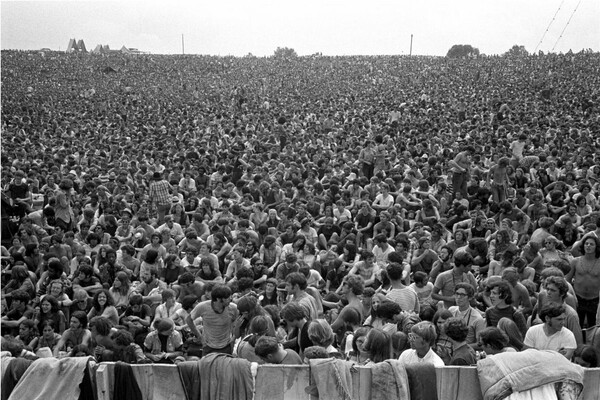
pixel 563 351
pixel 98 350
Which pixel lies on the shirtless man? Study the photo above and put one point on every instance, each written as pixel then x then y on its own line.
pixel 585 278
pixel 460 170
pixel 497 174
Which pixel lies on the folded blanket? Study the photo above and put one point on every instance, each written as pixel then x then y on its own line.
pixel 188 373
pixel 51 378
pixel 126 386
pixel 506 373
pixel 13 374
pixel 389 381
pixel 422 381
pixel 6 359
pixel 224 377
pixel 332 378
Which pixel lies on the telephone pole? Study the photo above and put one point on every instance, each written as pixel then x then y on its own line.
pixel 182 45
pixel 411 38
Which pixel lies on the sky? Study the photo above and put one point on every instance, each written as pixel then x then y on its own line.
pixel 330 27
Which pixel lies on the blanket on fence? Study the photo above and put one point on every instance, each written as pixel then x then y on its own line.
pixel 506 373
pixel 51 378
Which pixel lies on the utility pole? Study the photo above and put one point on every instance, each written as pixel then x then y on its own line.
pixel 182 45
pixel 411 38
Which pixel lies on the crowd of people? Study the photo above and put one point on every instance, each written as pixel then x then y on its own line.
pixel 364 208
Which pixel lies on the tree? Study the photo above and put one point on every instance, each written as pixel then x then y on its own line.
pixel 285 52
pixel 462 51
pixel 517 51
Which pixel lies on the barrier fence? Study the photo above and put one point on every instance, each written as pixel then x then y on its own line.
pixel 288 382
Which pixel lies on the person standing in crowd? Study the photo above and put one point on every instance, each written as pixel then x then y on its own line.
pixel 218 315
pixel 461 165
pixel 585 278
pixel 160 196
pixel 552 335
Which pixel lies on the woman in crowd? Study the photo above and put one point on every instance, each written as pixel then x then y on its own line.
pixel 48 337
pixel 120 291
pixel 50 310
pixel 103 305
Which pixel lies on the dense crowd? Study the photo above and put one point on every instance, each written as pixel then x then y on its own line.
pixel 162 208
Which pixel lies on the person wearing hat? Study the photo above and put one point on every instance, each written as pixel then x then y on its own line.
pixel 164 344
pixel 160 196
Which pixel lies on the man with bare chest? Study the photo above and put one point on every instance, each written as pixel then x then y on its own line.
pixel 585 278
pixel 499 180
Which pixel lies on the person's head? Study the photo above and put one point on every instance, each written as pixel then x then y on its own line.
pixel 315 352
pixel 151 256
pixel 271 285
pixel 168 297
pixel 463 293
pixel 26 329
pixel 122 338
pixel 248 306
pixel 456 329
pixel 259 326
pixel 557 288
pixel 510 328
pixel 100 326
pixel 164 326
pixel 49 304
pixel 422 335
pixel 500 291
pixel 135 301
pixel 268 348
pixel 320 333
pixel 102 299
pixel 295 281
pixel 19 273
pixel 149 275
pixel 463 260
pixel 79 320
pixel 355 284
pixel 121 281
pixel 389 311
pixel 378 344
pixel 221 294
pixel 446 253
pixel 293 312
pixel 492 340
pixel 48 328
pixel 439 319
pixel 553 315
pixel 420 278
pixel 394 271
pixel 189 302
pixel 591 245
pixel 20 298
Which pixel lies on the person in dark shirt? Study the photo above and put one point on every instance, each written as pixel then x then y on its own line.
pixel 462 354
pixel 295 317
pixel 20 310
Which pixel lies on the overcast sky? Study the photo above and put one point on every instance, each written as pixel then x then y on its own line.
pixel 338 27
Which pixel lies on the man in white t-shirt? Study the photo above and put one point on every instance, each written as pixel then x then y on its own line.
pixel 552 335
